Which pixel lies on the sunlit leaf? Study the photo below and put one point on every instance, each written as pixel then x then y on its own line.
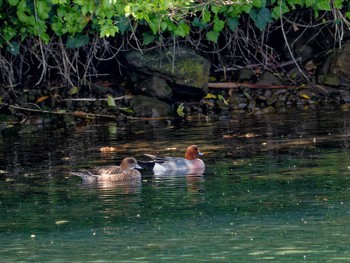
pixel 42 98
pixel 210 96
pixel 13 2
pixel 61 222
pixel 73 91
pixel 126 110
pixel 220 97
pixel 218 24
pixel 206 16
pixel 180 110
pixel 110 101
pixel 304 96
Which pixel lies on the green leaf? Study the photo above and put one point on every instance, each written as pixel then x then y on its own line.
pixel 110 101
pixel 77 41
pixel 263 18
pixel 43 9
pixel 147 39
pixel 259 3
pixel 206 16
pixel 276 11
pixel 163 26
pixel 127 110
pixel 212 36
pixel 293 3
pixel 309 3
pixel 13 48
pixel 215 9
pixel 218 24
pixel 220 97
pixel 347 14
pixel 74 90
pixel 153 27
pixel 324 5
pixel 180 110
pixel 182 29
pixel 338 4
pixel 232 23
pixel 13 2
pixel 199 23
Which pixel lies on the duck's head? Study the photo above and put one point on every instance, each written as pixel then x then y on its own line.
pixel 192 152
pixel 129 163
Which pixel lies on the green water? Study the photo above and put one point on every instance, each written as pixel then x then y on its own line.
pixel 276 188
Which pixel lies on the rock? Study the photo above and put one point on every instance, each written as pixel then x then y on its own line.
pixel 340 66
pixel 155 87
pixel 247 75
pixel 345 95
pixel 149 107
pixel 268 110
pixel 185 68
pixel 304 52
pixel 267 78
pixel 328 79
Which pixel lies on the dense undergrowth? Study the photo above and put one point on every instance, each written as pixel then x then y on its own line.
pixel 71 41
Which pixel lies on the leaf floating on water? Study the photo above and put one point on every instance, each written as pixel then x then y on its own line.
pixel 108 149
pixel 61 222
pixel 180 110
pixel 79 114
pixel 42 99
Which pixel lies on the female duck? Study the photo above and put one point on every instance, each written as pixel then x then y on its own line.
pixel 112 173
pixel 191 164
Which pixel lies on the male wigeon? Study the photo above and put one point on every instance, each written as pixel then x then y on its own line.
pixel 112 173
pixel 191 164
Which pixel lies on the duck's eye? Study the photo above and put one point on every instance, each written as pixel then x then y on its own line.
pixel 195 148
pixel 131 161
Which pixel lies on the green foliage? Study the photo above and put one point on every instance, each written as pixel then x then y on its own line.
pixel 77 41
pixel 81 19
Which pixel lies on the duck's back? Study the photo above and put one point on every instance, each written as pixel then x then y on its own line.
pixel 180 165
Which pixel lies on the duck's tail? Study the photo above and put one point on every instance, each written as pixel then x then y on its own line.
pixel 85 175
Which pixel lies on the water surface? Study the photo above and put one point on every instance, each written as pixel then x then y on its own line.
pixel 276 188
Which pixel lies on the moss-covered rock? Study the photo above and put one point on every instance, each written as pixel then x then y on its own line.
pixel 328 79
pixel 184 66
pixel 149 107
pixel 155 87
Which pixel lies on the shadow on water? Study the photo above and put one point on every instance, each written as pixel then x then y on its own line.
pixel 276 187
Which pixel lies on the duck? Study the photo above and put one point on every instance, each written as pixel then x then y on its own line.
pixel 126 171
pixel 190 164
